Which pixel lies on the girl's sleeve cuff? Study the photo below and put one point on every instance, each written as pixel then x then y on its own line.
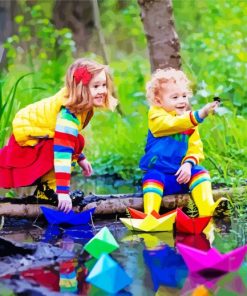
pixel 81 157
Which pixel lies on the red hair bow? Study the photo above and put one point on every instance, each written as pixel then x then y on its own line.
pixel 82 75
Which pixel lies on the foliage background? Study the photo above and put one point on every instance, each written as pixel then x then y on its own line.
pixel 213 48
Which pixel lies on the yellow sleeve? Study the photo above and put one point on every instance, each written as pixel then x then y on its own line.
pixel 162 123
pixel 194 154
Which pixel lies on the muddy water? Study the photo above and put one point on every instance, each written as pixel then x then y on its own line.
pixel 69 276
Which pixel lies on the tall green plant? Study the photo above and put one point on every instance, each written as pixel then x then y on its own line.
pixel 8 106
pixel 225 147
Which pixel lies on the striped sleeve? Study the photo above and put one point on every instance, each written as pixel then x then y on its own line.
pixel 66 132
pixel 195 118
pixel 162 123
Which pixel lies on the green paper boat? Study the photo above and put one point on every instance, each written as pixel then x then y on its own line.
pixel 102 242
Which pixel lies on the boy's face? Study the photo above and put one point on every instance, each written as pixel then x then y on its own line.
pixel 173 97
pixel 98 89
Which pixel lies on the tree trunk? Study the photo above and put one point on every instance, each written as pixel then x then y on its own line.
pixel 8 10
pixel 163 42
pixel 78 16
pixel 112 204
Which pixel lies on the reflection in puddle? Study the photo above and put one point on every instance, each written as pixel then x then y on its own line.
pixel 172 279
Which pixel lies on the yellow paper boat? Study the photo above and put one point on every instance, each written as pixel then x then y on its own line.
pixel 151 240
pixel 151 223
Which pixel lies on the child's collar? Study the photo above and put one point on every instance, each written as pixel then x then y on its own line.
pixel 160 108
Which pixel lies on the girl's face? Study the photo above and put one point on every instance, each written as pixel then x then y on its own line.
pixel 173 97
pixel 98 89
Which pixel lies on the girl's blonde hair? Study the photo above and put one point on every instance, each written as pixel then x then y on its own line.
pixel 79 99
pixel 159 79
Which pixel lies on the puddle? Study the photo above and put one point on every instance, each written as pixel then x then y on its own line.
pixel 69 276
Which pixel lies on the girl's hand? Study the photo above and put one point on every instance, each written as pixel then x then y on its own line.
pixel 184 173
pixel 208 108
pixel 64 202
pixel 86 167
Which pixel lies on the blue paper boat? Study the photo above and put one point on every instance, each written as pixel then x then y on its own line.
pixel 79 234
pixel 166 267
pixel 51 234
pixel 72 218
pixel 163 256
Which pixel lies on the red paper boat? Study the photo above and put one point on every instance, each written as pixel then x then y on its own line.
pixel 198 241
pixel 135 214
pixel 190 225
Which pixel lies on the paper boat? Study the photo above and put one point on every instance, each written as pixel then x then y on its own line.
pixel 140 215
pixel 190 225
pixel 168 276
pixel 102 242
pixel 198 241
pixel 151 240
pixel 198 260
pixel 51 234
pixel 77 233
pixel 80 235
pixel 150 223
pixel 108 275
pixel 166 267
pixel 72 218
pixel 165 256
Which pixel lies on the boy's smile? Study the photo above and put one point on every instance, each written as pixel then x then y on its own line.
pixel 173 97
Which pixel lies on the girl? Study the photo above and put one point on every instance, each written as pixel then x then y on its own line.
pixel 46 142
pixel 174 148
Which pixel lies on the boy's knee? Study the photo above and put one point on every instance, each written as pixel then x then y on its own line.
pixel 154 175
pixel 197 169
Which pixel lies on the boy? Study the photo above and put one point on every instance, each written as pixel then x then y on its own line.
pixel 174 148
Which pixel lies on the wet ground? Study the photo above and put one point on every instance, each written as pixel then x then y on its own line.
pixel 67 277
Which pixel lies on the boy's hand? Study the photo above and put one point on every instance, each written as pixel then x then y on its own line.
pixel 86 167
pixel 184 173
pixel 208 108
pixel 64 202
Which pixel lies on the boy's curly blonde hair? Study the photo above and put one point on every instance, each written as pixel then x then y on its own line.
pixel 79 99
pixel 159 79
